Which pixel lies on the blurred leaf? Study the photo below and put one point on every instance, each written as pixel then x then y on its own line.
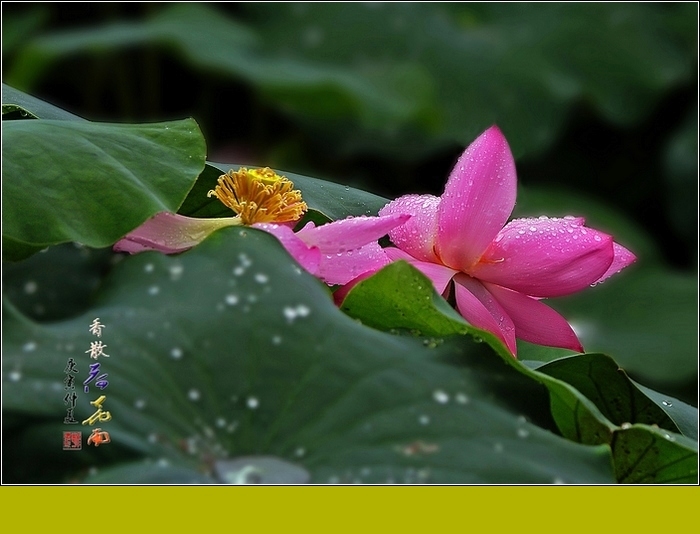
pixel 681 170
pixel 207 366
pixel 646 318
pixel 17 28
pixel 13 99
pixel 90 182
pixel 408 79
pixel 552 202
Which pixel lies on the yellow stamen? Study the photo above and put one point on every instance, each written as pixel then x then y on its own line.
pixel 260 196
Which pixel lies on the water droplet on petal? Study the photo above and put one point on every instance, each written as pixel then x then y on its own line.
pixel 667 403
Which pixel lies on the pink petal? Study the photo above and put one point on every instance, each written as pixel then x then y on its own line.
pixel 622 259
pixel 545 257
pixel 417 236
pixel 438 274
pixel 535 322
pixel 482 310
pixel 351 233
pixel 342 267
pixel 170 233
pixel 478 199
pixel 308 257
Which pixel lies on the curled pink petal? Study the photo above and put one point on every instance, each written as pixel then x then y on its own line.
pixel 438 274
pixel 478 199
pixel 482 310
pixel 545 257
pixel 622 259
pixel 534 321
pixel 416 236
pixel 170 233
pixel 342 267
pixel 351 233
pixel 308 257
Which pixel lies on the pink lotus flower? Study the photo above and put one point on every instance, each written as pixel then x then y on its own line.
pixel 336 252
pixel 501 271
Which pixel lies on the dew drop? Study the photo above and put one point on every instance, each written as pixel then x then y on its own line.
pixel 301 451
pixel 625 426
pixel 252 403
pixel 30 287
pixel 523 432
pixel 176 271
pixel 153 290
pixel 276 340
pixel 231 299
pixel 14 376
pixel 440 396
pixel 461 398
pixel 424 419
pixel 148 268
pixel 152 438
pixel 261 278
pixel 29 346
pixel 139 404
pixel 238 271
pixel 667 403
pixel 596 237
pixel 194 394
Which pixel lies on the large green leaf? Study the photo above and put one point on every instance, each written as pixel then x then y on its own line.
pixel 409 78
pixel 58 283
pixel 90 182
pixel 601 380
pixel 648 455
pixel 229 351
pixel 30 106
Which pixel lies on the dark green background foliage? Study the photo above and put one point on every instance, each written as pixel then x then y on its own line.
pixel 212 371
